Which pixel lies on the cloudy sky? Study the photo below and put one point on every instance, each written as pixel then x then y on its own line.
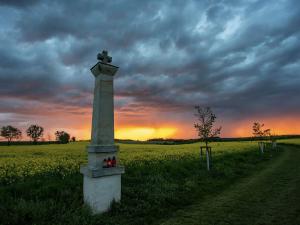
pixel 242 58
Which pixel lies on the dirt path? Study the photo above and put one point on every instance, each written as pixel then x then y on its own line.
pixel 270 197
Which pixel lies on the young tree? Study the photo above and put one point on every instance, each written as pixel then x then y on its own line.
pixel 35 132
pixel 258 131
pixel 206 119
pixel 10 133
pixel 62 136
pixel 73 139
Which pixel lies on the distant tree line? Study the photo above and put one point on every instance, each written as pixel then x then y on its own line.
pixel 34 132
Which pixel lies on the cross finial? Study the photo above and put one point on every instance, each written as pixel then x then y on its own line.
pixel 104 57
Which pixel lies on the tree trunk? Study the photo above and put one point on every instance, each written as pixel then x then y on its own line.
pixel 261 147
pixel 8 141
pixel 208 159
pixel 207 156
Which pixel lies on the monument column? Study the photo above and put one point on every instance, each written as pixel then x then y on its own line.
pixel 102 175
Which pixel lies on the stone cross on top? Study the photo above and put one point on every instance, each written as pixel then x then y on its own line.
pixel 104 57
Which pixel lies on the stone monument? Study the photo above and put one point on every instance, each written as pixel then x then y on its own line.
pixel 102 174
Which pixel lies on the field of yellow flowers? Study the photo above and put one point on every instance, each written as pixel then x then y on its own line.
pixel 41 184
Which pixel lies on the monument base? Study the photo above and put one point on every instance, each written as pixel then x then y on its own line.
pixel 100 192
pixel 101 187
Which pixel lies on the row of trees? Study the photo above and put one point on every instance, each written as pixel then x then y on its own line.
pixel 206 132
pixel 34 132
pixel 206 119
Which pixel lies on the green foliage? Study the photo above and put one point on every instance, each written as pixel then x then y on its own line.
pixel 10 133
pixel 35 132
pixel 62 136
pixel 42 184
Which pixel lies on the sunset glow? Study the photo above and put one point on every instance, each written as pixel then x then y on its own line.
pixel 282 126
pixel 154 126
pixel 144 133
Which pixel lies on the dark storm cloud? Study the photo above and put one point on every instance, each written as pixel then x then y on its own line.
pixel 18 3
pixel 240 57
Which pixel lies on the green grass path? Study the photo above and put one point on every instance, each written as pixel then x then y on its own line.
pixel 271 196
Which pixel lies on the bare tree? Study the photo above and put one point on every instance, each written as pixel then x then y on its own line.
pixel 206 132
pixel 10 133
pixel 35 132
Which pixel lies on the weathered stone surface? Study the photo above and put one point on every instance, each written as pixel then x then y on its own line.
pixel 102 148
pixel 103 111
pixel 102 185
pixel 104 57
pixel 104 68
pixel 100 192
pixel 102 172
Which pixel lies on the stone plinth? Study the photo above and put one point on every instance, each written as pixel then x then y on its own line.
pixel 101 192
pixel 101 187
pixel 102 181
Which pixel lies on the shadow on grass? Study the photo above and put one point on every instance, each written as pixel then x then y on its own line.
pixel 151 190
